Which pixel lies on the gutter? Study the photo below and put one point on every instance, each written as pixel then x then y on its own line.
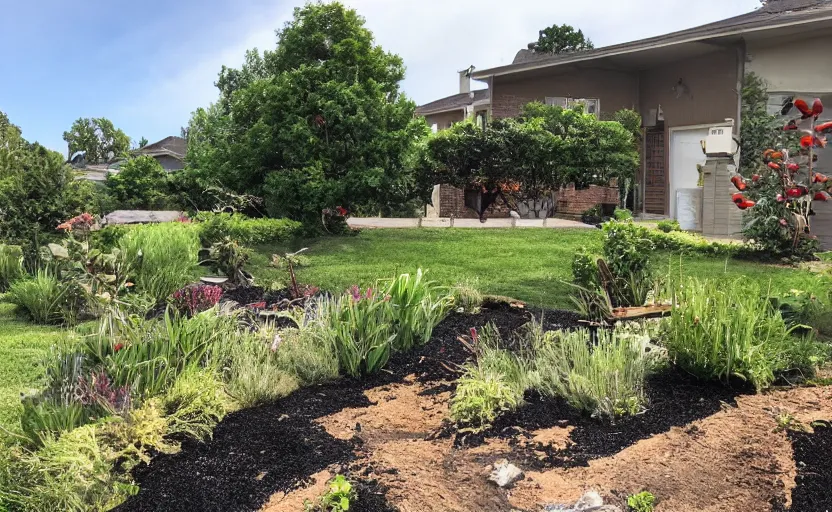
pixel 507 70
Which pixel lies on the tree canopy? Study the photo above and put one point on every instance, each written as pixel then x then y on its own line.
pixel 316 123
pixel 97 137
pixel 561 39
pixel 142 184
pixel 544 148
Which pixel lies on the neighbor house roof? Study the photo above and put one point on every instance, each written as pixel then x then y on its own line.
pixel 173 146
pixel 142 216
pixel 776 13
pixel 455 102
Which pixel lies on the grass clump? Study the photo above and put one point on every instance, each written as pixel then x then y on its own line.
pixel 668 225
pixel 43 298
pixel 307 354
pixel 194 404
pixel 11 265
pixel 730 330
pixel 605 379
pixel 467 296
pixel 417 306
pixel 163 257
pixel 253 375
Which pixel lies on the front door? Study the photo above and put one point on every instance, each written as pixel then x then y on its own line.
pixel 655 185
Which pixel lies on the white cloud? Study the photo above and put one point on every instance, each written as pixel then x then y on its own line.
pixel 436 38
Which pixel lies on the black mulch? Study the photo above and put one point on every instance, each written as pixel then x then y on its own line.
pixel 263 450
pixel 813 489
pixel 673 400
pixel 277 447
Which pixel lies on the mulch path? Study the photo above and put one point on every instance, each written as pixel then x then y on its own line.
pixel 812 452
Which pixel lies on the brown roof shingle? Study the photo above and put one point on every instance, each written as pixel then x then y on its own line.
pixel 455 102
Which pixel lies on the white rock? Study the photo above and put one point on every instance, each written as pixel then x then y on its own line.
pixel 505 474
pixel 590 501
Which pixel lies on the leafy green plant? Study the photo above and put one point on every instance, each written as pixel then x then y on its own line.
pixel 605 379
pixel 417 306
pixel 44 299
pixel 641 502
pixel 359 326
pixel 163 257
pixel 338 498
pixel 728 330
pixel 666 226
pixel 585 268
pixel 11 265
pixel 194 404
pixel 622 214
pixel 229 259
pixel 141 184
pixel 288 263
pixel 214 227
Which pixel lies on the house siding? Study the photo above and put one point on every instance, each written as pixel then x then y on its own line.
pixel 614 89
pixel 170 163
pixel 796 66
pixel 712 83
pixel 444 119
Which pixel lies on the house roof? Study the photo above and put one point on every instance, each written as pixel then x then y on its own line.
pixel 455 102
pixel 141 216
pixel 173 146
pixel 776 13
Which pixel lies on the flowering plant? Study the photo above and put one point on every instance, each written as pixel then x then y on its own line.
pixel 83 223
pixel 193 299
pixel 781 194
pixel 334 220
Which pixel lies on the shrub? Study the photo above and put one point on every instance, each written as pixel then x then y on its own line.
pixel 622 214
pixel 229 259
pixel 194 404
pixel 196 298
pixel 44 299
pixel 214 227
pixel 641 502
pixel 338 498
pixel 254 376
pixel 585 269
pixel 11 265
pixel 605 379
pixel 728 330
pixel 627 254
pixel 359 326
pixel 417 306
pixel 307 354
pixel 141 184
pixel 163 257
pixel 667 226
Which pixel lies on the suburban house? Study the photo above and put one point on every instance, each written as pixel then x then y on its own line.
pixel 169 152
pixel 443 113
pixel 682 83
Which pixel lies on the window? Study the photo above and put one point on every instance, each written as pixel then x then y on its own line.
pixel 591 105
pixel 481 118
pixel 434 127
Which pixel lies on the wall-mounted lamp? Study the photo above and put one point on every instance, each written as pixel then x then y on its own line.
pixel 681 89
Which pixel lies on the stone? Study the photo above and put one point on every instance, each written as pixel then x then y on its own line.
pixel 505 474
pixel 591 500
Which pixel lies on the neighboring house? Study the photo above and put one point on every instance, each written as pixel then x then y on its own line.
pixel 682 83
pixel 442 114
pixel 169 152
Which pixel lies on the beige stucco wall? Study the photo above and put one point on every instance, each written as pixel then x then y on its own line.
pixel 614 89
pixel 798 66
pixel 444 119
pixel 711 80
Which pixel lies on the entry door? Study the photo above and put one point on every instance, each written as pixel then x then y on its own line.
pixel 655 185
pixel 685 154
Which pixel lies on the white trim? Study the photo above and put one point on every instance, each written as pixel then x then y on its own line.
pixel 649 46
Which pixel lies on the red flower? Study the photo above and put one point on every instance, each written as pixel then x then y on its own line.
pixel 822 196
pixel 804 109
pixel 739 182
pixel 807 141
pixel 257 305
pixel 795 191
pixel 738 198
pixel 755 178
pixel 817 108
pixel 118 346
pixel 341 211
pixel 791 126
pixel 820 178
pixel 793 167
pixel 824 127
pixel 773 165
pixel 744 205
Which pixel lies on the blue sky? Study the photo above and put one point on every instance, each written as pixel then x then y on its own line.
pixel 146 66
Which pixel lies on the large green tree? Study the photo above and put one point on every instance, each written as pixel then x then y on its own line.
pixel 315 123
pixel 561 39
pixel 38 190
pixel 98 138
pixel 142 183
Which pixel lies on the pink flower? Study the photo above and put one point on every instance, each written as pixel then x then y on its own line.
pixel 780 198
pixel 369 294
pixel 474 336
pixel 783 222
pixel 355 291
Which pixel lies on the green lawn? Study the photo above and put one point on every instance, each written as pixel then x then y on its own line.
pixel 22 348
pixel 531 265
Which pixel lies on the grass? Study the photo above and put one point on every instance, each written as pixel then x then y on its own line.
pixel 22 347
pixel 532 265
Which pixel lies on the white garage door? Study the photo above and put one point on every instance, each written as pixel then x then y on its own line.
pixel 685 155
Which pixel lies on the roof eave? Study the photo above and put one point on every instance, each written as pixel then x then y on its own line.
pixel 636 47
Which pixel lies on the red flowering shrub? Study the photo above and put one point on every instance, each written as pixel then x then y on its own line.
pixel 98 389
pixel 83 222
pixel 193 299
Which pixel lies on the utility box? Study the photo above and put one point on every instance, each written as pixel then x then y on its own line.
pixel 720 216
pixel 720 140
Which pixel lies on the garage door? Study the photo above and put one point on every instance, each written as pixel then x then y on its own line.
pixel 685 155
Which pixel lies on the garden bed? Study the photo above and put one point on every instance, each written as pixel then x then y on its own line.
pixel 389 434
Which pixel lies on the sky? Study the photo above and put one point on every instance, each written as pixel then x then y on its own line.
pixel 147 65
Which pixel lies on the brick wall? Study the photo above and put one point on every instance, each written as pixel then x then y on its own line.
pixel 508 105
pixel 569 201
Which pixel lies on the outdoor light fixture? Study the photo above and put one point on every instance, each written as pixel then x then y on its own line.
pixel 681 89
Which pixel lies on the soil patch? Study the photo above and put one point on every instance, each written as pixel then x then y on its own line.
pixel 813 483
